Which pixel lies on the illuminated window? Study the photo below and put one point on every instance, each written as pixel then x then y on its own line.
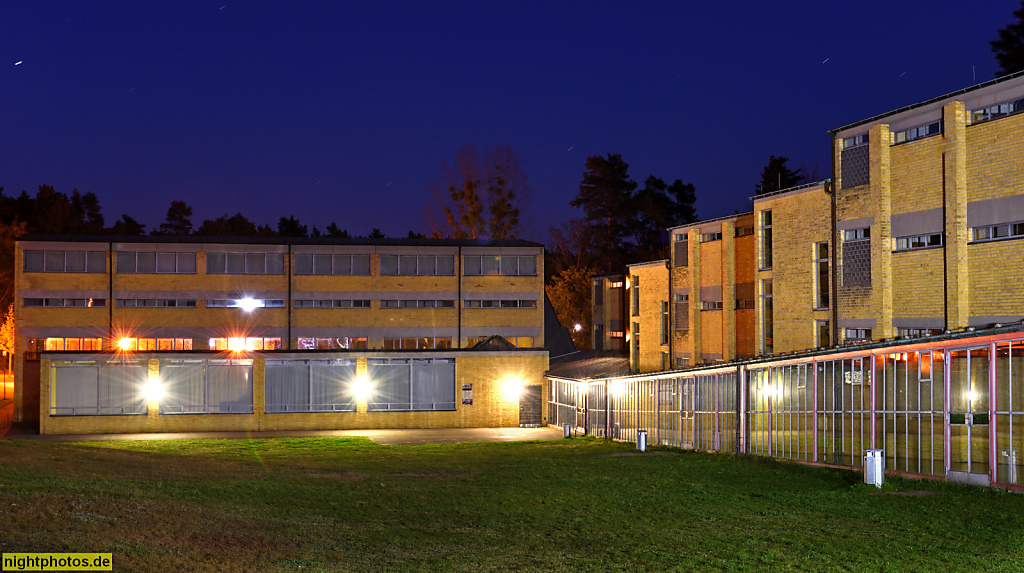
pixel 744 231
pixel 245 344
pixel 129 262
pixel 710 237
pixel 326 264
pixel 517 341
pixel 241 303
pixel 342 343
pixel 711 305
pixel 65 262
pixel 58 344
pixel 421 343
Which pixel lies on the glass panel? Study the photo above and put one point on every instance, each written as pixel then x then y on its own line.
pixel 389 264
pixel 256 264
pixel 360 264
pixel 33 261
pixel 75 262
pixel 323 264
pixel 215 263
pixel 186 262
pixel 275 263
pixel 342 264
pixel 235 263
pixel 407 264
pixel 490 264
pixel 54 261
pixel 509 265
pixel 303 264
pixel 427 265
pixel 446 265
pixel 166 262
pixel 527 265
pixel 472 264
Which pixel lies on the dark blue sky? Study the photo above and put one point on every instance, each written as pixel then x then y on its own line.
pixel 343 112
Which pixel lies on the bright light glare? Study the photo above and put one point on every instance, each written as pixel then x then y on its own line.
pixel 153 390
pixel 512 388
pixel 584 388
pixel 627 337
pixel 362 389
pixel 578 327
pixel 236 344
pixel 249 304
pixel 972 396
pixel 125 343
pixel 618 389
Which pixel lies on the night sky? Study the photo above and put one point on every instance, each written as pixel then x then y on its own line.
pixel 344 112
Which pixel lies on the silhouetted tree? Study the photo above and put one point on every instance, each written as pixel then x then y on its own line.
pixel 334 232
pixel 376 234
pixel 478 197
pixel 776 175
pixel 606 197
pixel 127 226
pixel 415 235
pixel 178 221
pixel 1009 46
pixel 290 227
pixel 224 226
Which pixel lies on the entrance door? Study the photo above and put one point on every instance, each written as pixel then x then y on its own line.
pixel 968 416
pixel 529 407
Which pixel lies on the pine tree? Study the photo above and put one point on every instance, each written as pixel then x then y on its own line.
pixel 1009 47
pixel 777 175
pixel 178 221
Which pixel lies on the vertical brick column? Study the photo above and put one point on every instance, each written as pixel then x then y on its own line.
pixel 728 290
pixel 954 178
pixel 881 234
pixel 694 244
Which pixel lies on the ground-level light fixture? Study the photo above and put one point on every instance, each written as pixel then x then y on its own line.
pixel 362 388
pixel 153 390
pixel 512 388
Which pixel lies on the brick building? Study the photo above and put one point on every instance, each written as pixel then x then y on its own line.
pixel 279 331
pixel 650 317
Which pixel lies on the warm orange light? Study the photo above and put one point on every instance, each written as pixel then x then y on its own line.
pixel 236 344
pixel 126 343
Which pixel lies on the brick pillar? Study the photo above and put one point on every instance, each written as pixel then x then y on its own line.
pixel 728 290
pixel 881 234
pixel 954 179
pixel 694 244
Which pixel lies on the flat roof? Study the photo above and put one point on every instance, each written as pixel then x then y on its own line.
pixel 659 261
pixel 706 221
pixel 950 95
pixel 790 189
pixel 279 240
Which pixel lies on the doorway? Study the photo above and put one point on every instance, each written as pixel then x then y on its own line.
pixel 968 416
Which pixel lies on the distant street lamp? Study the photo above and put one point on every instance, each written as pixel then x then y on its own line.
pixel 577 327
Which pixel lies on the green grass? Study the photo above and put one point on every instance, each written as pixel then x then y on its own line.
pixel 335 504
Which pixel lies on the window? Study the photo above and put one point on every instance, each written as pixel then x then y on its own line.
pixel 207 386
pixel 682 250
pixel 682 309
pixel 745 231
pixel 248 344
pixel 822 276
pixel 997 111
pixel 310 386
pixel 822 334
pixel 767 320
pixel 418 343
pixel 344 303
pixel 709 237
pixel 411 384
pixel 744 304
pixel 342 343
pixel 244 303
pixel 918 242
pixel 410 303
pixel 665 323
pixel 500 304
pixel 90 388
pixel 766 239
pixel 635 342
pixel 36 345
pixel 151 262
pixel 919 132
pixel 682 362
pixel 917 332
pixel 857 257
pixel 245 263
pixel 517 341
pixel 510 265
pixel 64 302
pixel 65 262
pixel 636 296
pixel 598 292
pixel 711 305
pixel 855 161
pixel 151 344
pixel 858 335
pixel 443 265
pixel 154 303
pixel 996 232
pixel 326 264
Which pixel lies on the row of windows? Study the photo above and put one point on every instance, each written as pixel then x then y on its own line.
pixel 244 303
pixel 517 341
pixel 65 302
pixel 136 262
pixel 309 264
pixel 917 332
pixel 36 345
pixel 417 303
pixel 364 303
pixel 997 111
pixel 419 343
pixel 65 262
pixel 438 265
pixel 146 262
pixel 918 132
pixel 919 242
pixel 509 265
pixel 149 344
pixel 857 234
pixel 248 343
pixel 709 237
pixel 500 304
pixel 154 303
pixel 340 343
pixel 994 232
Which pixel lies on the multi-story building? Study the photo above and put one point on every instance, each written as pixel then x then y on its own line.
pixel 929 213
pixel 713 291
pixel 370 303
pixel 649 317
pixel 609 313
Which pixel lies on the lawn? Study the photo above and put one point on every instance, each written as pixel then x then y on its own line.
pixel 337 504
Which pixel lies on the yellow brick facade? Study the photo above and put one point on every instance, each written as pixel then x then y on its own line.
pixel 510 304
pixel 650 344
pixel 489 373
